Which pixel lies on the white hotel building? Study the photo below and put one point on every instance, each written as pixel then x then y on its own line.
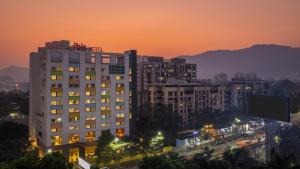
pixel 76 93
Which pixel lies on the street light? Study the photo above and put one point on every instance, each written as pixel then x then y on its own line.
pixel 116 139
pixel 159 133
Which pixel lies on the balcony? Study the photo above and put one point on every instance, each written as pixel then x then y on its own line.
pixel 56 127
pixel 56 73
pixel 120 119
pixel 90 73
pixel 56 107
pixel 74 116
pixel 105 112
pixel 90 105
pixel 90 124
pixel 74 80
pixel 74 97
pixel 120 89
pixel 105 96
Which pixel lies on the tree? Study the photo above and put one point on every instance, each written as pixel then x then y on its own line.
pixel 168 161
pixel 156 144
pixel 239 158
pixel 54 161
pixel 103 151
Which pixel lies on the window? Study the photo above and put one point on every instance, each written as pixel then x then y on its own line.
pixel 90 101
pixel 90 136
pixel 119 77
pixel 73 102
pixel 120 132
pixel 105 108
pixel 90 122
pixel 105 59
pixel 90 109
pixel 119 99
pixel 90 151
pixel 74 138
pixel 116 69
pixel 73 69
pixel 107 124
pixel 120 107
pixel 56 140
pixel 73 127
pixel 73 154
pixel 105 100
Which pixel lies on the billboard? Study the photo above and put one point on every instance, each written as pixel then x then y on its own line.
pixel 269 107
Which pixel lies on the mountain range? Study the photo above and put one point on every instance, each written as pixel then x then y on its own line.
pixel 268 61
pixel 14 74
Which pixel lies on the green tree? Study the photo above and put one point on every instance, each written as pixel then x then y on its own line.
pixel 54 161
pixel 239 158
pixel 168 161
pixel 156 144
pixel 103 151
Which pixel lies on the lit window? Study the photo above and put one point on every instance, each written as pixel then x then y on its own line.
pixel 90 109
pixel 88 101
pixel 119 99
pixel 105 108
pixel 105 100
pixel 90 136
pixel 90 151
pixel 120 107
pixel 105 124
pixel 56 140
pixel 73 138
pixel 120 115
pixel 119 77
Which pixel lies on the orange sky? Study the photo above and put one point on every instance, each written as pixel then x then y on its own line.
pixel 154 27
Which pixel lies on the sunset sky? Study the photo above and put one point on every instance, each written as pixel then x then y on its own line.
pixel 155 27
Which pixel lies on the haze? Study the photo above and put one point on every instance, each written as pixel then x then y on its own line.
pixel 155 27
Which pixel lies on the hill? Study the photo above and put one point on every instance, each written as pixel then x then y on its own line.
pixel 268 61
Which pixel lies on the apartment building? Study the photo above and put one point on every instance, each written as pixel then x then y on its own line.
pixel 184 99
pixel 78 92
pixel 243 84
pixel 157 70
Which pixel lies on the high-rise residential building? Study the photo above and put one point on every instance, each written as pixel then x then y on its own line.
pixel 77 93
pixel 244 84
pixel 182 100
pixel 221 78
pixel 157 70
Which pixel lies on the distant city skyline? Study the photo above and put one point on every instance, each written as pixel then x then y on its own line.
pixel 164 28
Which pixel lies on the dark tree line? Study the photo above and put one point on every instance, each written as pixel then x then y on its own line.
pixel 13 140
pixel 231 159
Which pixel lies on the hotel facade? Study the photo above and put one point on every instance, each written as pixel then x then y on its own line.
pixel 77 93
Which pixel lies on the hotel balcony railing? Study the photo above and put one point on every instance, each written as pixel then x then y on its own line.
pixel 90 105
pixel 120 103
pixel 105 112
pixel 73 81
pixel 90 138
pixel 74 116
pixel 105 96
pixel 57 107
pixel 54 89
pixel 120 89
pixel 92 123
pixel 90 89
pixel 55 72
pixel 90 73
pixel 74 97
pixel 120 119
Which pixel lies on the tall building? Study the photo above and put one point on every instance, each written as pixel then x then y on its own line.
pixel 77 93
pixel 157 70
pixel 244 84
pixel 182 100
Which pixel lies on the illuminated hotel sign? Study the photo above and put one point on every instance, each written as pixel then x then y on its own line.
pixel 82 47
